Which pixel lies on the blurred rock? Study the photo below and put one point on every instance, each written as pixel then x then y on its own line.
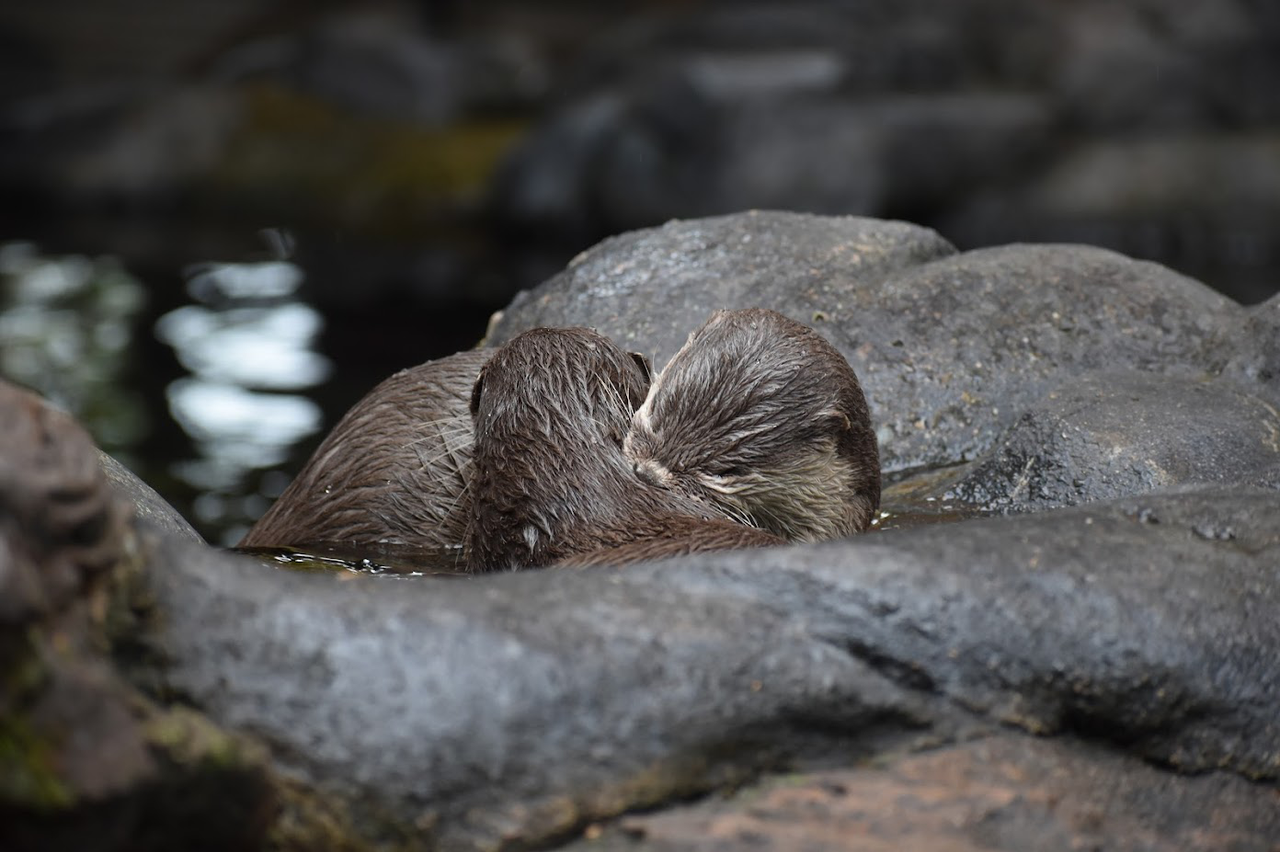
pixel 951 115
pixel 90 763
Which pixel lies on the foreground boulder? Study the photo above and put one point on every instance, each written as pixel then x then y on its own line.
pixel 88 762
pixel 1107 641
pixel 525 705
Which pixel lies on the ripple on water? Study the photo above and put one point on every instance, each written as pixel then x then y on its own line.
pixel 382 561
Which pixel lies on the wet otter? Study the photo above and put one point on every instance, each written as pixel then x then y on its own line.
pixel 762 418
pixel 549 479
pixel 392 474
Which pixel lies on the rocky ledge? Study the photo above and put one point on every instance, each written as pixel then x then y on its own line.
pixel 1063 634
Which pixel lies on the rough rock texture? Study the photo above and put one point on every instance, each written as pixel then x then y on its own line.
pixel 949 348
pixel 998 793
pixel 1111 434
pixel 523 705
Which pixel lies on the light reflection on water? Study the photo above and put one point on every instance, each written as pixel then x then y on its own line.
pixel 247 341
pixel 66 327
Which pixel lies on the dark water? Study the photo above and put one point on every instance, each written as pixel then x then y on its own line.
pixel 212 381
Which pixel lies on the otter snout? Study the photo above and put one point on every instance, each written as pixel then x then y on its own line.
pixel 652 473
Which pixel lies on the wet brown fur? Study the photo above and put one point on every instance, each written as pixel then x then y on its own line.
pixel 763 419
pixel 393 472
pixel 550 481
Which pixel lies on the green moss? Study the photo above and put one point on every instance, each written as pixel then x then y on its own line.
pixel 28 778
pixel 188 739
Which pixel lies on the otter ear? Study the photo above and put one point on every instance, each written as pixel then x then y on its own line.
pixel 646 366
pixel 476 390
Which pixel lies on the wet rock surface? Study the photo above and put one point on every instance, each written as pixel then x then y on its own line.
pixel 1133 631
pixel 525 705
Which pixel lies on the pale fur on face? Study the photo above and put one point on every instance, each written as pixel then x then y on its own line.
pixel 761 418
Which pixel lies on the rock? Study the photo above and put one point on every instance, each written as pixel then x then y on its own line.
pixel 950 348
pixel 955 115
pixel 147 503
pixel 527 704
pixel 1001 792
pixel 1110 435
pixel 1200 201
pixel 679 273
pixel 89 762
pixel 61 526
pixel 648 156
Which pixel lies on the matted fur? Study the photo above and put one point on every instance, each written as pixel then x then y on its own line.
pixel 549 479
pixel 760 417
pixel 393 472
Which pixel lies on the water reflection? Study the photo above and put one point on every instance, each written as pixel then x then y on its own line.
pixel 66 325
pixel 247 341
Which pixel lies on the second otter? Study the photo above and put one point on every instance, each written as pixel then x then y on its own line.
pixel 763 419
pixel 549 480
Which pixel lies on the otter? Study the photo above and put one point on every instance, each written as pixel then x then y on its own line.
pixel 393 473
pixel 549 479
pixel 761 418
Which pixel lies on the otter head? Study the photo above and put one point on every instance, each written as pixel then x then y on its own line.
pixel 761 418
pixel 550 410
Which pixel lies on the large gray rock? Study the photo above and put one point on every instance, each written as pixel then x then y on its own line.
pixel 648 289
pixel 522 705
pixel 950 348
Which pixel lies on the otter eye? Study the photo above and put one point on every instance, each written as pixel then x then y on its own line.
pixel 731 470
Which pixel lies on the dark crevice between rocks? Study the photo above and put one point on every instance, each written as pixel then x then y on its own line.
pixel 904 673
